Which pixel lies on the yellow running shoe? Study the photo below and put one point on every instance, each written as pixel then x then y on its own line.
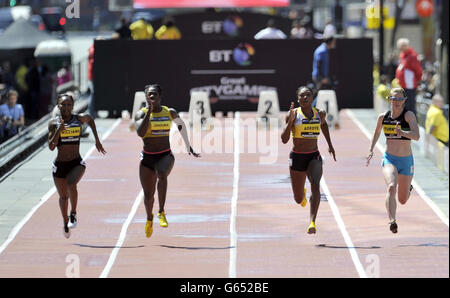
pixel 305 201
pixel 312 228
pixel 162 220
pixel 148 228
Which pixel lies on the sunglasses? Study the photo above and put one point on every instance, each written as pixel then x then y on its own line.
pixel 396 98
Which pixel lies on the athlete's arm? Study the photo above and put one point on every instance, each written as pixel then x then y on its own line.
pixel 86 118
pixel 183 131
pixel 285 136
pixel 326 133
pixel 414 133
pixel 55 126
pixel 375 137
pixel 142 121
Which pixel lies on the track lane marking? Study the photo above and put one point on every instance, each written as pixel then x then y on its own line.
pixel 122 236
pixel 234 198
pixel 18 227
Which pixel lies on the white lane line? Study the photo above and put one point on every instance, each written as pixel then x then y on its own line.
pixel 122 236
pixel 416 186
pixel 234 199
pixel 47 196
pixel 345 234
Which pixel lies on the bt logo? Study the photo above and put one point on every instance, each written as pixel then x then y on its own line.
pixel 241 55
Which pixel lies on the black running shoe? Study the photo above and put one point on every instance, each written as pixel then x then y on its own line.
pixel 66 231
pixel 393 227
pixel 72 220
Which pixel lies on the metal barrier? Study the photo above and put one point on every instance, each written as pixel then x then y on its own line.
pixel 81 75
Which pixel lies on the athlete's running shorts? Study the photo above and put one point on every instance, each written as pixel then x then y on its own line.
pixel 157 161
pixel 404 164
pixel 62 168
pixel 300 161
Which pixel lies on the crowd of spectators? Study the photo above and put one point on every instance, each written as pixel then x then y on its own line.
pixel 420 79
pixel 27 93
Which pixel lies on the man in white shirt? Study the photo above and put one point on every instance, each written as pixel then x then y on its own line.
pixel 270 32
pixel 329 29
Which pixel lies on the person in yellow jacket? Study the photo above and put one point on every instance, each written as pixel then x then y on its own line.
pixel 141 30
pixel 168 30
pixel 436 124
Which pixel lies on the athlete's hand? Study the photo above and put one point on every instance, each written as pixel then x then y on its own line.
pixel 191 151
pixel 331 150
pixel 99 147
pixel 292 113
pixel 60 124
pixel 398 130
pixel 368 158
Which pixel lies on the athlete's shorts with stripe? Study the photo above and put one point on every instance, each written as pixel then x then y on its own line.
pixel 300 161
pixel 62 168
pixel 157 161
pixel 403 164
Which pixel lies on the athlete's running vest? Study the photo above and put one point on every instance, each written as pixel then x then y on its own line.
pixel 72 132
pixel 305 128
pixel 160 123
pixel 389 125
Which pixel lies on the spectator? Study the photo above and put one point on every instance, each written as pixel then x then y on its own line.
pixel 6 75
pixel 168 30
pixel 64 74
pixel 12 116
pixel 409 72
pixel 124 31
pixel 46 91
pixel 21 73
pixel 300 30
pixel 33 80
pixel 436 124
pixel 91 81
pixel 141 30
pixel 383 90
pixel 321 64
pixel 329 30
pixel 270 32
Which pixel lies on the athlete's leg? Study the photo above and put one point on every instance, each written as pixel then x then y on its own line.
pixel 404 183
pixel 298 180
pixel 73 178
pixel 62 188
pixel 390 177
pixel 314 175
pixel 148 182
pixel 163 168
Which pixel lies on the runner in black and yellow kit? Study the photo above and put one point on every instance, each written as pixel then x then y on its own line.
pixel 305 124
pixel 153 126
pixel 68 168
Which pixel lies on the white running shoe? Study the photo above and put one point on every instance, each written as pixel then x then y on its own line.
pixel 72 221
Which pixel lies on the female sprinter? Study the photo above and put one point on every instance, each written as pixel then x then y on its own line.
pixel 400 127
pixel 68 168
pixel 153 126
pixel 305 124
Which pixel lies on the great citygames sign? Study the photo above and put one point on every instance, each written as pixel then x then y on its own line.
pixel 209 3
